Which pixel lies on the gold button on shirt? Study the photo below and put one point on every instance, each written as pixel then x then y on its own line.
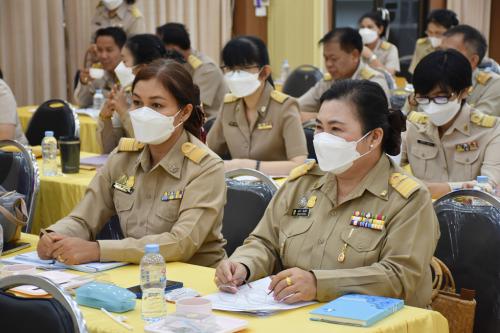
pixel 276 135
pixel 178 204
pixel 346 258
pixel 469 148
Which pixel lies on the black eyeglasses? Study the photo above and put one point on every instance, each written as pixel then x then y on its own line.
pixel 227 69
pixel 438 99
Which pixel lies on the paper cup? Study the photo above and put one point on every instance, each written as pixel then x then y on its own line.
pixel 96 73
pixel 194 305
pixel 17 269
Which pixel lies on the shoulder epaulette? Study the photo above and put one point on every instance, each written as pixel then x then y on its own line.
pixel 230 98
pixel 100 4
pixel 483 78
pixel 481 119
pixel 367 73
pixel 327 77
pixel 403 184
pixel 418 118
pixel 279 96
pixel 135 11
pixel 129 144
pixel 385 45
pixel 301 170
pixel 422 40
pixel 193 152
pixel 194 61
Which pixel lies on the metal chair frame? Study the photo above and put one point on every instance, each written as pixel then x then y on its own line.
pixel 265 179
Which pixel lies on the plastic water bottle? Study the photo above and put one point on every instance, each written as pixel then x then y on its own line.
pixel 153 283
pixel 49 154
pixel 98 100
pixel 285 71
pixel 482 184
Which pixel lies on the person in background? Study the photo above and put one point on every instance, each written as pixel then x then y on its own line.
pixel 10 127
pixel 109 43
pixel 258 126
pixel 377 52
pixel 169 189
pixel 448 143
pixel 342 50
pixel 438 22
pixel 206 73
pixel 114 119
pixel 353 223
pixel 485 93
pixel 118 13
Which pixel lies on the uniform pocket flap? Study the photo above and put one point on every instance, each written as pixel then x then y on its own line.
pixel 467 157
pixel 423 151
pixel 296 226
pixel 363 239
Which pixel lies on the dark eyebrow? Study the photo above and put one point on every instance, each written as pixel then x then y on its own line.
pixel 335 122
pixel 152 97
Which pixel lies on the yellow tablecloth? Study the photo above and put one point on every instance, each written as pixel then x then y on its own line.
pixel 58 195
pixel 408 320
pixel 88 128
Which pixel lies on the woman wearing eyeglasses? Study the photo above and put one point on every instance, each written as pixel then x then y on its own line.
pixel 258 127
pixel 448 144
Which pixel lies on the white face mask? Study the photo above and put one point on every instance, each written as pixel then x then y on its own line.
pixel 441 114
pixel 112 4
pixel 368 35
pixel 125 74
pixel 242 83
pixel 334 153
pixel 152 127
pixel 435 41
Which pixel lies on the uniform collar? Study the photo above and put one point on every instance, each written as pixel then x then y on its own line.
pixel 263 103
pixel 474 77
pixel 462 122
pixel 121 11
pixel 262 108
pixel 358 70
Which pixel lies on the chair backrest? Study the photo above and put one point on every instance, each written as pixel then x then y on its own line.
pixel 309 133
pixel 470 234
pixel 28 315
pixel 19 171
pixel 111 230
pixel 246 204
pixel 301 80
pixel 54 115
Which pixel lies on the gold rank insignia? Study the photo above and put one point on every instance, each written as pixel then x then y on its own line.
pixel 468 146
pixel 125 184
pixel 172 195
pixel 312 201
pixel 264 126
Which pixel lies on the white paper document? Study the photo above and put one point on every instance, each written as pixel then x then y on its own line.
pixel 254 299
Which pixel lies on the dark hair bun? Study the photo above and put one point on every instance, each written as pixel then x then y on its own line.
pixel 397 124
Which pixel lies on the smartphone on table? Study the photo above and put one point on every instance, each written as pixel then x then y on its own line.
pixel 171 285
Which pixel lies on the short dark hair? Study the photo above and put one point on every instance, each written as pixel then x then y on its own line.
pixel 174 33
pixel 348 38
pixel 145 48
pixel 448 69
pixel 378 18
pixel 372 110
pixel 445 17
pixel 474 41
pixel 117 33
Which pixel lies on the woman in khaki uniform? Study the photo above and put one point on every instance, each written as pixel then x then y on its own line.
pixel 448 144
pixel 118 13
pixel 258 126
pixel 169 191
pixel 355 224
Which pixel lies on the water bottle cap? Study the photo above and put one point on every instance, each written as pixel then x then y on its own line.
pixel 482 179
pixel 98 91
pixel 49 133
pixel 152 248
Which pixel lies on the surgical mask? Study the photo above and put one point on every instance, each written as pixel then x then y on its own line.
pixel 125 74
pixel 152 127
pixel 334 153
pixel 242 83
pixel 435 41
pixel 112 4
pixel 441 114
pixel 368 35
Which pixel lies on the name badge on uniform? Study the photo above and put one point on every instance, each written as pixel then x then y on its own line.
pixel 172 195
pixel 468 146
pixel 368 220
pixel 233 123
pixel 427 143
pixel 264 126
pixel 301 212
pixel 125 184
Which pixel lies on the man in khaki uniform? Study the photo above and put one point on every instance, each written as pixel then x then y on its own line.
pixel 422 48
pixel 206 74
pixel 125 16
pixel 305 227
pixel 342 49
pixel 178 204
pixel 10 126
pixel 485 92
pixel 467 149
pixel 276 134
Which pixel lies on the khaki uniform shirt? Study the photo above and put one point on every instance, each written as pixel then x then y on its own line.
pixel 469 148
pixel 84 93
pixel 209 78
pixel 309 102
pixel 8 112
pixel 387 54
pixel 345 258
pixel 422 48
pixel 485 93
pixel 276 135
pixel 177 204
pixel 127 17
